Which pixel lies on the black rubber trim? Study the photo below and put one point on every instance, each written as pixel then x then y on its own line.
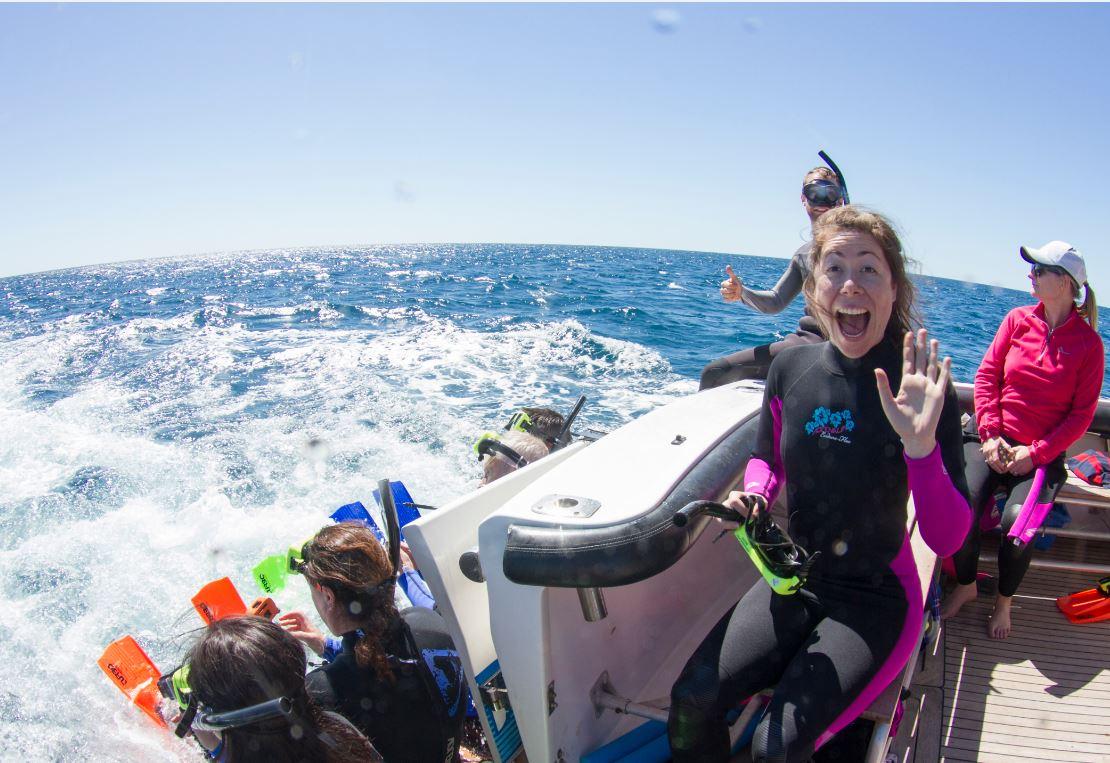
pixel 626 553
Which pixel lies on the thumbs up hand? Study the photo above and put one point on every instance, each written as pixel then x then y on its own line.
pixel 732 287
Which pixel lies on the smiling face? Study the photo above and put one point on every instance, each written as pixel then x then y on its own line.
pixel 822 176
pixel 854 291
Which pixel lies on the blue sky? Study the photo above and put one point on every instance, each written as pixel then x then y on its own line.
pixel 134 131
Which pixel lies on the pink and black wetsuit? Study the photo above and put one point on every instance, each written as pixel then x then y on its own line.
pixel 1036 387
pixel 833 647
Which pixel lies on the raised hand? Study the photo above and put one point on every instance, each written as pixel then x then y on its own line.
pixel 732 287
pixel 915 411
pixel 300 628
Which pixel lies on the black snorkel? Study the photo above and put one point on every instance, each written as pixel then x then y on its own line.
pixel 392 525
pixel 491 445
pixel 563 438
pixel 839 175
pixel 272 709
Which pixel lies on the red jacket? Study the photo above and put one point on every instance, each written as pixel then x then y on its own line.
pixel 1039 387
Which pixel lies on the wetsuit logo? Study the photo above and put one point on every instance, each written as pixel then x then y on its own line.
pixel 829 425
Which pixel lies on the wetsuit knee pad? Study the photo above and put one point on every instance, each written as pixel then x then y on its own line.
pixel 777 742
pixel 768 745
pixel 686 727
pixel 695 727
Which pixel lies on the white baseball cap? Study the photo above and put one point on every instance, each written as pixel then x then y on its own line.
pixel 1060 254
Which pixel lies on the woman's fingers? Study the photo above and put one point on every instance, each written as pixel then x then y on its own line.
pixel 886 396
pixel 907 354
pixel 921 351
pixel 945 373
pixel 932 369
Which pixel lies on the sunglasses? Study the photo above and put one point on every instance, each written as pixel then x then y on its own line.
pixel 822 193
pixel 1040 270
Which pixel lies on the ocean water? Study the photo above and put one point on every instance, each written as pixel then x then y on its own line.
pixel 168 422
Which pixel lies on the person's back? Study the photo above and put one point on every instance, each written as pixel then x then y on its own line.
pixel 417 713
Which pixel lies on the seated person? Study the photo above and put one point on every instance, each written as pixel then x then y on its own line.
pixel 505 453
pixel 245 662
pixel 850 452
pixel 1036 393
pixel 398 677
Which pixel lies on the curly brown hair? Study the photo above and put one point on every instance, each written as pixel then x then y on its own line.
pixel 347 559
pixel 904 315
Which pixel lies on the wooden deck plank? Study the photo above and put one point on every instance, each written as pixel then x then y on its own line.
pixel 932 672
pixel 1028 649
pixel 1007 752
pixel 918 739
pixel 998 703
pixel 1021 749
pixel 1020 681
pixel 1075 738
pixel 1044 693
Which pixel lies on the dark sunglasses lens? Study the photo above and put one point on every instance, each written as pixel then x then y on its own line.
pixel 1040 270
pixel 821 194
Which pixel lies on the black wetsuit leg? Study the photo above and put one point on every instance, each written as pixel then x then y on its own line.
pixel 1012 560
pixel 754 362
pixel 746 652
pixel 981 484
pixel 840 658
pixel 819 648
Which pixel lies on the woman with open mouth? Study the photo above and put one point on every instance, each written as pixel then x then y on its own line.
pixel 850 452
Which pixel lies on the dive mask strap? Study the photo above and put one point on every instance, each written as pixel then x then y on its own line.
pixel 185 725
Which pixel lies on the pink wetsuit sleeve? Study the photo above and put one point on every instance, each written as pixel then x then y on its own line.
pixel 942 511
pixel 761 475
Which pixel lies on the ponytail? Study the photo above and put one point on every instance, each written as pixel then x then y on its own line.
pixel 347 559
pixel 1089 309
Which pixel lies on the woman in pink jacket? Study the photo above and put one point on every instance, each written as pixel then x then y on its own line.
pixel 1035 394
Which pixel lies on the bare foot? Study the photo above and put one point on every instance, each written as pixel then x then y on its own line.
pixel 999 624
pixel 955 601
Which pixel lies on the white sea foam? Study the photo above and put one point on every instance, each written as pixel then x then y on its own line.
pixel 175 453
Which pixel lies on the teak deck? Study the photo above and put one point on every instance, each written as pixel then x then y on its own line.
pixel 1042 694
